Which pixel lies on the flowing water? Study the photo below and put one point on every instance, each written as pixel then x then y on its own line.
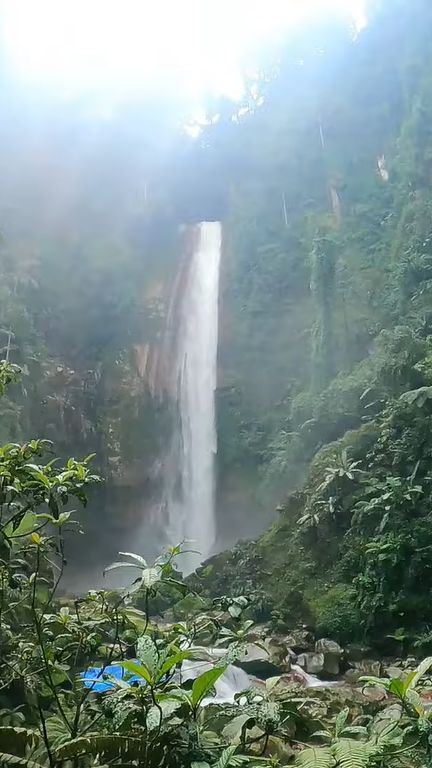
pixel 233 681
pixel 190 487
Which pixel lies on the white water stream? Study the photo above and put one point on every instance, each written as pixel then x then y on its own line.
pixel 236 680
pixel 190 498
pixel 233 681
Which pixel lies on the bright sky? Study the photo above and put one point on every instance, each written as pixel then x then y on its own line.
pixel 120 46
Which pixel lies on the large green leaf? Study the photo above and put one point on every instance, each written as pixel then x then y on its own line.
pixel 120 564
pixel 341 720
pixel 173 661
pixel 19 762
pixel 233 730
pixel 141 563
pixel 421 670
pixel 157 714
pixel 397 687
pixel 25 527
pixel 352 754
pixel 109 745
pixel 204 683
pixel 150 577
pixel 137 669
pixel 315 758
pixel 136 617
pixel 225 757
pixel 147 653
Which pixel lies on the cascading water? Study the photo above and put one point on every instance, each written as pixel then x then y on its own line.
pixel 190 481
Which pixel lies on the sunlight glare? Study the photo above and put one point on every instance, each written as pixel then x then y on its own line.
pixel 124 47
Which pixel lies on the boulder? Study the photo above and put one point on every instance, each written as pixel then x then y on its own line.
pixel 280 655
pixel 332 653
pixel 256 660
pixel 299 640
pixel 254 652
pixel 331 665
pixel 365 668
pixel 313 663
pixel 328 646
pixel 259 632
pixel 394 671
pixel 279 749
pixel 375 693
pixel 357 652
pixel 369 667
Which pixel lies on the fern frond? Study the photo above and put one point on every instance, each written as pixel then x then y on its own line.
pixel 57 731
pixel 108 745
pixel 13 761
pixel 352 754
pixel 315 757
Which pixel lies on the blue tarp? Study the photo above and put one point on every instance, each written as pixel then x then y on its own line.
pixel 95 678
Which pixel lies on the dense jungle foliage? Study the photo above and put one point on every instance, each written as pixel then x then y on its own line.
pixel 327 285
pixel 322 180
pixel 57 708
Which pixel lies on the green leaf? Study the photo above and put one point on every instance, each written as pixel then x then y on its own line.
pixel 141 563
pixel 271 683
pixel 225 757
pixel 419 672
pixel 25 527
pixel 164 710
pixel 114 566
pixel 148 654
pixel 180 586
pixel 341 720
pixel 63 518
pixel 397 687
pixel 150 577
pixel 322 735
pixel 204 683
pixel 351 754
pixel 354 730
pixel 97 744
pixel 315 758
pixel 137 669
pixel 136 617
pixel 154 718
pixel 172 661
pixel 20 762
pixel 233 730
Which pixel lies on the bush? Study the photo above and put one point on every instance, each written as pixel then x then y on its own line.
pixel 337 614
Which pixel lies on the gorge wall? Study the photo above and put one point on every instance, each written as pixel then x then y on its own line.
pixel 322 183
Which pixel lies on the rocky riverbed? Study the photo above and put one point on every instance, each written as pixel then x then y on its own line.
pixel 299 657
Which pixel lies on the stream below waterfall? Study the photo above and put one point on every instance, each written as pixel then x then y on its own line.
pixel 233 682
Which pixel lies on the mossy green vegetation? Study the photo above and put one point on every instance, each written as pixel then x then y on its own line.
pixel 99 679
pixel 326 333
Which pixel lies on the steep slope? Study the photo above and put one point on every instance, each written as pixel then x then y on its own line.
pixel 326 324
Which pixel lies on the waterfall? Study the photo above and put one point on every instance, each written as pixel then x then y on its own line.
pixel 232 682
pixel 190 485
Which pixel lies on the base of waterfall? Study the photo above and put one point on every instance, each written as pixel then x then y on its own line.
pixel 265 662
pixel 227 690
